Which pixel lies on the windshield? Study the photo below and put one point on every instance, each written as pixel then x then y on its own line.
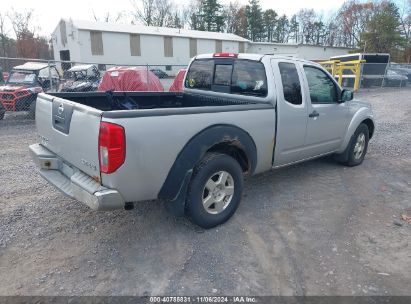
pixel 22 77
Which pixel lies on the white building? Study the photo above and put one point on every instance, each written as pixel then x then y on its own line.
pixel 123 44
pixel 304 51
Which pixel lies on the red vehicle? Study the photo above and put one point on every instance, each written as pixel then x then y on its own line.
pixel 24 83
pixel 178 85
pixel 130 79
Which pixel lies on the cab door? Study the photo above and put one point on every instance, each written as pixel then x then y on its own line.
pixel 291 112
pixel 327 117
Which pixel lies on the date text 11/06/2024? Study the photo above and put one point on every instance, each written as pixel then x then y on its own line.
pixel 220 299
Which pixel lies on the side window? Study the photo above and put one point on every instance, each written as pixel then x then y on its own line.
pixel 200 75
pixel 249 78
pixel 291 83
pixel 322 88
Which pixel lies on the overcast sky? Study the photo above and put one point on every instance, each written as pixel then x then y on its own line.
pixel 49 12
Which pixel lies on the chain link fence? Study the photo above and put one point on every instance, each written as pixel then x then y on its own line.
pixel 21 79
pixel 378 75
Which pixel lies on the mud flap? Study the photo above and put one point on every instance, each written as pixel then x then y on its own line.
pixel 343 157
pixel 177 206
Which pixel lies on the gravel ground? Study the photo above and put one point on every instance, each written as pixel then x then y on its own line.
pixel 316 228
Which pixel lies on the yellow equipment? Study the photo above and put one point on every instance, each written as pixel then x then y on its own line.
pixel 336 68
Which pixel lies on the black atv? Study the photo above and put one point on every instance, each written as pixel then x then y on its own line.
pixel 82 78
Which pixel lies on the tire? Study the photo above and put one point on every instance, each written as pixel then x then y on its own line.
pixel 32 110
pixel 2 113
pixel 207 185
pixel 361 135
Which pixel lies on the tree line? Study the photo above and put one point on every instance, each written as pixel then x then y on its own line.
pixel 371 26
pixel 23 40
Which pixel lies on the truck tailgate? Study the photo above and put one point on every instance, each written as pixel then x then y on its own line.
pixel 71 131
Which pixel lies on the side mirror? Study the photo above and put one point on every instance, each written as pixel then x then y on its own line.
pixel 346 95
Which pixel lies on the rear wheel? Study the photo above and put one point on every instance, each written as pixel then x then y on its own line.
pixel 215 190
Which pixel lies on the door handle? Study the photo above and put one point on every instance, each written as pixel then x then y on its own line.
pixel 314 114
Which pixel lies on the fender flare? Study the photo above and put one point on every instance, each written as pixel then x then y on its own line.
pixel 362 115
pixel 197 147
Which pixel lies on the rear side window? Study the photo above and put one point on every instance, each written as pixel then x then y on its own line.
pixel 291 83
pixel 200 75
pixel 243 77
pixel 249 78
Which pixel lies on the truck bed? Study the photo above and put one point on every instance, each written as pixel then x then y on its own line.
pixel 115 101
pixel 69 127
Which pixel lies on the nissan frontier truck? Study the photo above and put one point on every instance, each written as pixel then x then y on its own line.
pixel 239 114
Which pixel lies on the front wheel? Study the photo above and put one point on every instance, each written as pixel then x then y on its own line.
pixel 215 190
pixel 358 146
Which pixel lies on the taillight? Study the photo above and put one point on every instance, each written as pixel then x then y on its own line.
pixel 111 147
pixel 230 55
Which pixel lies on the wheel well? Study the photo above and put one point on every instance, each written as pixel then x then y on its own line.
pixel 370 126
pixel 231 148
pixel 227 139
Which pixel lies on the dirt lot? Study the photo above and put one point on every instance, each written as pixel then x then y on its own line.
pixel 313 229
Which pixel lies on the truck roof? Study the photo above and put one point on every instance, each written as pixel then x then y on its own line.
pixel 32 66
pixel 248 56
pixel 256 57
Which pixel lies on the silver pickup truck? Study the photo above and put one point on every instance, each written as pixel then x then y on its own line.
pixel 239 114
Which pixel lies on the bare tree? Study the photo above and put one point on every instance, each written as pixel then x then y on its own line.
pixel 3 34
pixel 163 12
pixel 405 19
pixel 154 12
pixel 28 43
pixel 230 12
pixel 320 31
pixel 353 17
pixel 283 29
pixel 21 22
pixel 240 27
pixel 306 19
pixel 175 19
pixel 109 17
pixel 192 11
pixel 144 11
pixel 23 30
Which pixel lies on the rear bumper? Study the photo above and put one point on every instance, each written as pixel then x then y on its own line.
pixel 73 182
